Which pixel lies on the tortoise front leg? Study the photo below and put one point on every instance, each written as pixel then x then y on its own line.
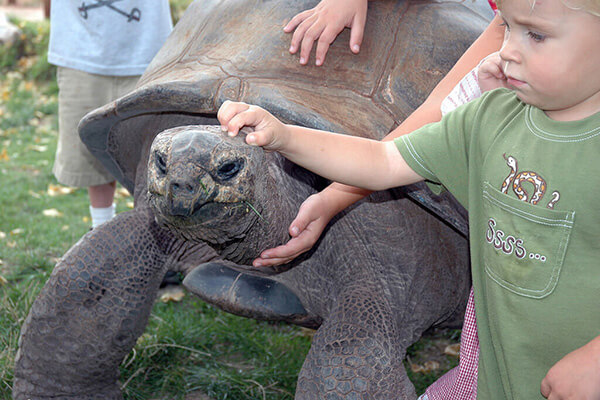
pixel 357 353
pixel 91 311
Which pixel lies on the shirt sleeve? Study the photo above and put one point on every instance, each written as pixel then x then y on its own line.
pixel 466 90
pixel 439 151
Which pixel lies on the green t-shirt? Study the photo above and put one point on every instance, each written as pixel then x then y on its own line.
pixel 530 184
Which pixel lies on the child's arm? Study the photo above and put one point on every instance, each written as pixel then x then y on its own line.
pixel 576 375
pixel 323 23
pixel 366 163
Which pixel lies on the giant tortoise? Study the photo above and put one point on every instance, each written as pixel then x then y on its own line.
pixel 384 271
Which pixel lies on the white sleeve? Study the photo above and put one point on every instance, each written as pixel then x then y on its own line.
pixel 466 90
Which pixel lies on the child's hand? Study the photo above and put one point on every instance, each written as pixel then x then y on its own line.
pixel 268 132
pixel 491 74
pixel 313 216
pixel 576 376
pixel 324 23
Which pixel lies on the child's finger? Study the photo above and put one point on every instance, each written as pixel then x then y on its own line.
pixel 247 117
pixel 310 36
pixel 494 70
pixel 297 20
pixel 327 37
pixel 282 254
pixel 268 262
pixel 228 110
pixel 357 32
pixel 545 388
pixel 298 225
pixel 499 74
pixel 298 35
pixel 262 138
pixel 272 261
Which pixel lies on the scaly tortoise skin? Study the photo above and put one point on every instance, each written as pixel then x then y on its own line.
pixel 385 270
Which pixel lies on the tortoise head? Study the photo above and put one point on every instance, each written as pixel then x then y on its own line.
pixel 206 186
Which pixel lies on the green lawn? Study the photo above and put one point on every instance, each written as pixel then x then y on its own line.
pixel 188 346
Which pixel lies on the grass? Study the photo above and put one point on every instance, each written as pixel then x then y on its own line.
pixel 188 346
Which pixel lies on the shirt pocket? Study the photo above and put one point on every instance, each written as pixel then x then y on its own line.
pixel 524 246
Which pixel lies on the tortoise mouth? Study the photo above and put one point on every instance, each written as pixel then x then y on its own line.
pixel 212 221
pixel 212 212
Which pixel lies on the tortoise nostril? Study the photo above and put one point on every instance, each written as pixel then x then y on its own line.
pixel 230 169
pixel 182 188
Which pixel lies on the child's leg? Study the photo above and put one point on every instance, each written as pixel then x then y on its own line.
pixel 460 383
pixel 79 93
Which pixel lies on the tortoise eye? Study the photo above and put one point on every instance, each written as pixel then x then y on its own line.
pixel 230 169
pixel 161 165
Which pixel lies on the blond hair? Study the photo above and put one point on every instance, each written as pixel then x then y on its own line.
pixel 589 6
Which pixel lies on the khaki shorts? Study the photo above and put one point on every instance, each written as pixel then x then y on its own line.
pixel 79 93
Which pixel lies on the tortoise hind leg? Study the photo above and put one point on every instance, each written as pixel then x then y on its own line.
pixel 357 353
pixel 247 295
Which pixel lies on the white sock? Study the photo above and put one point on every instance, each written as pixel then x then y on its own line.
pixel 101 215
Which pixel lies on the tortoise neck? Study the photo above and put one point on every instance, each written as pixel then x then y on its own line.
pixel 287 187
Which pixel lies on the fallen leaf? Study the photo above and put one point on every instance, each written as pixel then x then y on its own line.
pixel 34 194
pixel 429 366
pixel 17 231
pixel 452 350
pixel 122 192
pixel 172 294
pixel 2 235
pixel 64 228
pixel 14 76
pixel 4 155
pixel 142 340
pixel 11 245
pixel 86 219
pixel 3 280
pixel 130 204
pixel 52 212
pixel 58 190
pixel 416 368
pixel 39 148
